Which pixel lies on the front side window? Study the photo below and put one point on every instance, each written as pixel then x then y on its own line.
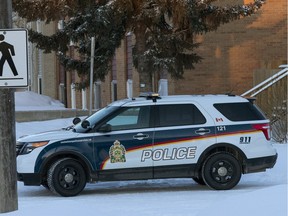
pixel 178 115
pixel 130 118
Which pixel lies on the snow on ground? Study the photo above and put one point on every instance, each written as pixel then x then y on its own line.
pixel 262 194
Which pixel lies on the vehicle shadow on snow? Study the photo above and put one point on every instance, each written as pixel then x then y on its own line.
pixel 150 187
pixel 33 191
pixel 121 187
pixel 146 186
pixel 134 187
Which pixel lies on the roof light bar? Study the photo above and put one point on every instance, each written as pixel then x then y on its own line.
pixel 150 96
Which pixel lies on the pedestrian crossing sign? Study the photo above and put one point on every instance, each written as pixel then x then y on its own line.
pixel 13 58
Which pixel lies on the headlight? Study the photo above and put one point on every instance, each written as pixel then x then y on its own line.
pixel 19 147
pixel 29 147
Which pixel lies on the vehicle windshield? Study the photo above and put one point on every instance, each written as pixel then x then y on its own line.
pixel 94 118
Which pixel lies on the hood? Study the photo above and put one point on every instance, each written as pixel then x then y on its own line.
pixel 49 135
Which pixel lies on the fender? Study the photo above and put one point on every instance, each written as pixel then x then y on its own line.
pixel 44 160
pixel 220 147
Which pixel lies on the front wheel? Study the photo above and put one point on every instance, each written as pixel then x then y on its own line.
pixel 45 185
pixel 66 177
pixel 221 171
pixel 199 180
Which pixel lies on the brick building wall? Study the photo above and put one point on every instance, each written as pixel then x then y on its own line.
pixel 43 77
pixel 49 61
pixel 121 61
pixel 124 70
pixel 233 52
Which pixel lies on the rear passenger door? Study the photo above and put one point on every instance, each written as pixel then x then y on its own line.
pixel 182 131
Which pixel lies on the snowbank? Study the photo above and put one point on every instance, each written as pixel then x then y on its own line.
pixel 28 100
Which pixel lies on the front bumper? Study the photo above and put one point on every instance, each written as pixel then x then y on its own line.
pixel 259 164
pixel 32 179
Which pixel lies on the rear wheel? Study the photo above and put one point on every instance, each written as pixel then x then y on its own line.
pixel 221 171
pixel 66 177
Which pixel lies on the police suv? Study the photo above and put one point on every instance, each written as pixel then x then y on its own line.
pixel 213 139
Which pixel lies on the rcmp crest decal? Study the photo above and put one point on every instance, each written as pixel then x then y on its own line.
pixel 117 153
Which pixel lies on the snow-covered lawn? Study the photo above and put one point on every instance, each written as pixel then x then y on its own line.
pixel 262 194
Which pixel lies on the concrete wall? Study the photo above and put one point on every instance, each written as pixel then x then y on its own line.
pixel 42 115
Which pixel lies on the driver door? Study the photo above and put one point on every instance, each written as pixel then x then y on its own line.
pixel 120 142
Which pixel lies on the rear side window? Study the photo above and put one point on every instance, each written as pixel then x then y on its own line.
pixel 179 114
pixel 240 111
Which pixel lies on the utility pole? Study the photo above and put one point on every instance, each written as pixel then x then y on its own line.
pixel 8 178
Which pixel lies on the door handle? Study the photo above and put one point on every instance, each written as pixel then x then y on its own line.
pixel 140 136
pixel 202 131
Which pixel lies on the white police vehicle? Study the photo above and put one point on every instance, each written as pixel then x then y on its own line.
pixel 213 139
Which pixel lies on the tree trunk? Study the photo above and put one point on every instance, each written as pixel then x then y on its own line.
pixel 8 179
pixel 145 77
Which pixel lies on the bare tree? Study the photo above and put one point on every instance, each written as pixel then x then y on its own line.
pixel 273 102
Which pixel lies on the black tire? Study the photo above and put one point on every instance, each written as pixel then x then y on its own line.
pixel 221 171
pixel 66 177
pixel 45 185
pixel 199 180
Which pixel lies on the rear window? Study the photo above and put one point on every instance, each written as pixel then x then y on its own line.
pixel 240 111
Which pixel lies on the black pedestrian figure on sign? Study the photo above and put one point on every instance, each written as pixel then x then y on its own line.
pixel 7 51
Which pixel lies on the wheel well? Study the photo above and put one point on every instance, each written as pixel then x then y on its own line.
pixel 51 160
pixel 222 147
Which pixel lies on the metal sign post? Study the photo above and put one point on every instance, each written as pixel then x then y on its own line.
pixel 91 74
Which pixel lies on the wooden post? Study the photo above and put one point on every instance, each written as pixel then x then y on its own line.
pixel 8 179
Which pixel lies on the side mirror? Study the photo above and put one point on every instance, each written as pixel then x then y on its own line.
pixel 85 124
pixel 105 128
pixel 76 120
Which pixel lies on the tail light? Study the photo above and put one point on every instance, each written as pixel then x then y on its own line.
pixel 265 128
